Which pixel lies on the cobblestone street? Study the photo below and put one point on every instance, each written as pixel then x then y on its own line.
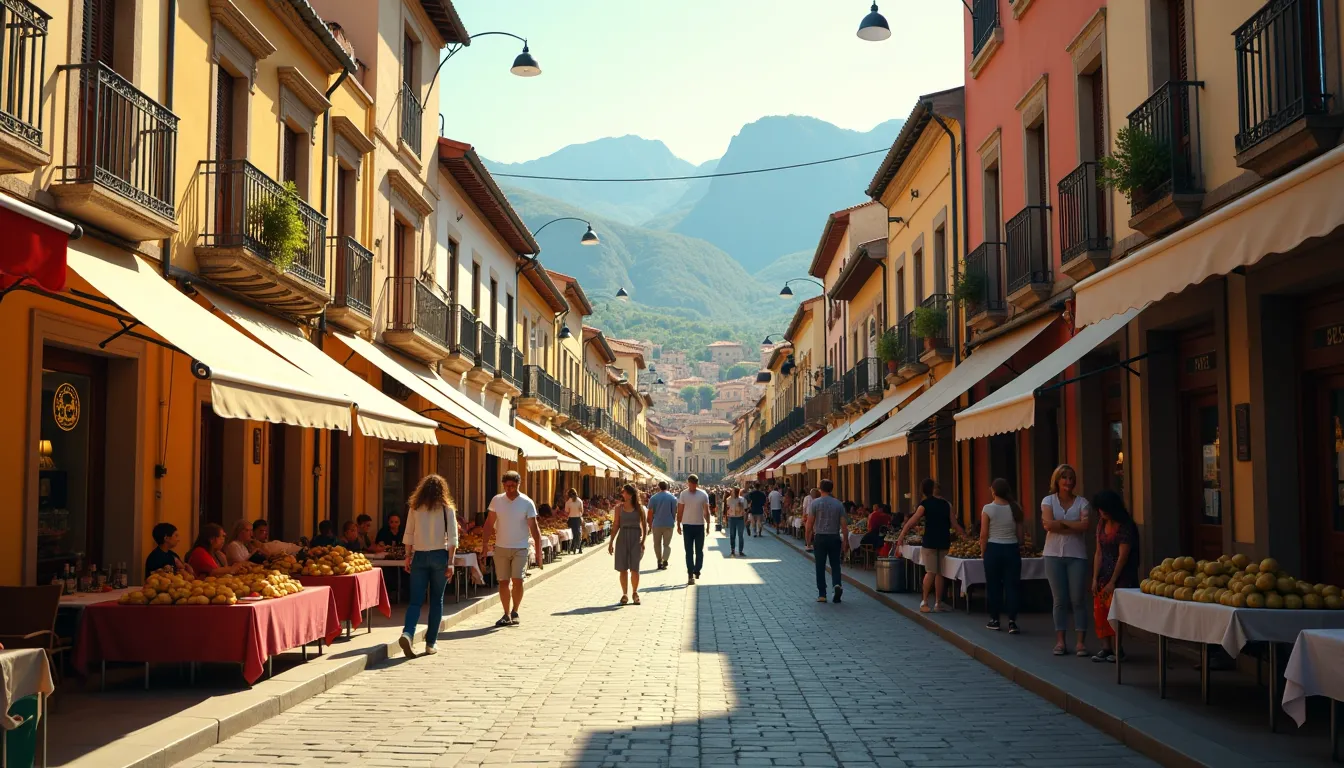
pixel 742 669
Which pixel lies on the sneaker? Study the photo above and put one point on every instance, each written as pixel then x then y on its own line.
pixel 513 619
pixel 405 642
pixel 732 554
pixel 1103 656
pixel 993 624
pixel 838 592
pixel 504 622
pixel 821 598
pixel 691 580
pixel 1012 628
pixel 430 650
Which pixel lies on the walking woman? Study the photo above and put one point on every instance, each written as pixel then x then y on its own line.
pixel 431 544
pixel 936 513
pixel 1000 533
pixel 1114 566
pixel 574 510
pixel 627 540
pixel 736 509
pixel 1064 516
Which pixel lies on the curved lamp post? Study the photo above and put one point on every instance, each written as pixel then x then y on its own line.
pixel 620 295
pixel 874 26
pixel 523 64
pixel 589 238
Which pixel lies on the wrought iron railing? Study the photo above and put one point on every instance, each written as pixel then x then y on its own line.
pixel 510 363
pixel 907 341
pixel 235 193
pixel 984 265
pixel 1280 69
pixel 539 384
pixel 487 354
pixel 820 405
pixel 577 410
pixel 1169 119
pixel 464 339
pixel 354 275
pixel 944 303
pixel 984 20
pixel 23 66
pixel 416 307
pixel 412 114
pixel 865 378
pixel 1028 237
pixel 1082 212
pixel 126 141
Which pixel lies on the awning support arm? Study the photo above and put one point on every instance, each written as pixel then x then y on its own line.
pixel 1126 364
pixel 102 311
pixel 17 284
pixel 126 327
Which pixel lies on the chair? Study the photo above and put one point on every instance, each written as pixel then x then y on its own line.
pixel 29 621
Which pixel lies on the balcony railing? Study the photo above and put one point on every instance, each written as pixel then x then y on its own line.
pixel 411 116
pixel 1028 248
pixel 865 378
pixel 577 410
pixel 354 274
pixel 539 384
pixel 1082 212
pixel 910 344
pixel 487 354
pixel 23 48
pixel 944 303
pixel 464 340
pixel 1280 69
pixel 984 20
pixel 237 192
pixel 821 405
pixel 986 262
pixel 126 142
pixel 510 364
pixel 416 307
pixel 1168 119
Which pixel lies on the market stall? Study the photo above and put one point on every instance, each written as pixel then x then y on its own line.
pixel 1316 668
pixel 24 672
pixel 965 566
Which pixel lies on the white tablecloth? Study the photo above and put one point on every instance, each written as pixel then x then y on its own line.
pixel 564 535
pixel 854 539
pixel 1232 628
pixel 81 599
pixel 23 672
pixel 590 527
pixel 1316 668
pixel 970 572
pixel 467 560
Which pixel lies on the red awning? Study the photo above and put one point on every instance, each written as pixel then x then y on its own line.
pixel 784 455
pixel 34 244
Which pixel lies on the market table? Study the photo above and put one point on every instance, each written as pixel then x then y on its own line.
pixel 355 594
pixel 970 572
pixel 81 600
pixel 1213 624
pixel 1316 668
pixel 24 672
pixel 248 633
pixel 468 562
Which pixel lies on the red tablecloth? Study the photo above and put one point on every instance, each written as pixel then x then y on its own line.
pixel 354 593
pixel 246 633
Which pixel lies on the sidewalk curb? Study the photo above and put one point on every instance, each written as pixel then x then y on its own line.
pixel 204 725
pixel 1142 733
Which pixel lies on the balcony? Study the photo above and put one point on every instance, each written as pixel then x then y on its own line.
pixel 235 248
pixel 23 65
pixel 463 340
pixel 912 346
pixel 986 33
pixel 507 377
pixel 125 153
pixel 984 305
pixel 412 114
pixel 819 407
pixel 1169 120
pixel 939 312
pixel 1284 115
pixel 1030 279
pixel 861 385
pixel 541 393
pixel 483 372
pixel 352 301
pixel 418 320
pixel 1084 246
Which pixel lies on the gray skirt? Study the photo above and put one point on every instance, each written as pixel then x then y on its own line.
pixel 629 550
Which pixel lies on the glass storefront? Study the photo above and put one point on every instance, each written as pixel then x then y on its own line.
pixel 68 526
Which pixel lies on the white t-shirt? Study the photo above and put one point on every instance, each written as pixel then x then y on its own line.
pixel 776 500
pixel 695 506
pixel 511 516
pixel 737 507
pixel 574 508
pixel 1002 526
pixel 236 551
pixel 1073 543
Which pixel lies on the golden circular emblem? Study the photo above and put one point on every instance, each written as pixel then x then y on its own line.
pixel 65 407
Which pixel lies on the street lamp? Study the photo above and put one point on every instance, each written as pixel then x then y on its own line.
pixel 787 293
pixel 620 295
pixel 589 238
pixel 523 64
pixel 874 27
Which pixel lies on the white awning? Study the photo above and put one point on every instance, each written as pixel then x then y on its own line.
pixel 247 381
pixel 377 414
pixel 891 438
pixel 419 378
pixel 571 460
pixel 899 394
pixel 614 468
pixel 1274 218
pixel 633 472
pixel 814 456
pixel 1013 407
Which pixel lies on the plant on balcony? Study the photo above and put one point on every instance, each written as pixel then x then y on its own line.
pixel 970 287
pixel 930 325
pixel 889 349
pixel 1139 164
pixel 279 228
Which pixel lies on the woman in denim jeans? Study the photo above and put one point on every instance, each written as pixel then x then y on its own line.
pixel 431 544
pixel 1064 516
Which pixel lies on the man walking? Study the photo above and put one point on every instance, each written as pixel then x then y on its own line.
pixel 756 499
pixel 662 517
pixel 776 499
pixel 692 514
pixel 826 521
pixel 513 516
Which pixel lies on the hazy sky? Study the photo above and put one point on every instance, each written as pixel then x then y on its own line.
pixel 689 72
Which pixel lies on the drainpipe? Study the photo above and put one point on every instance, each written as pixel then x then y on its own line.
pixel 321 331
pixel 170 49
pixel 165 262
pixel 956 263
pixel 326 131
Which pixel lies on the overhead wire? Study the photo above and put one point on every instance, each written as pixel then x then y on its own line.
pixel 693 177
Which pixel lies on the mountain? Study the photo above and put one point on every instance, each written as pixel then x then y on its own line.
pixel 759 217
pixel 787 267
pixel 622 157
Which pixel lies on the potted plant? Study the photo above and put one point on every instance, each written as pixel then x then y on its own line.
pixel 889 349
pixel 930 325
pixel 970 287
pixel 1140 164
pixel 275 220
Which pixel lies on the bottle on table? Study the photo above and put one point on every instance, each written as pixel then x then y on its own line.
pixel 58 580
pixel 100 578
pixel 70 585
pixel 86 579
pixel 121 577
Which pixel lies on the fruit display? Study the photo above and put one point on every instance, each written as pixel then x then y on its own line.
pixel 968 549
pixel 285 564
pixel 163 587
pixel 1236 582
pixel 334 561
pixel 470 541
pixel 860 527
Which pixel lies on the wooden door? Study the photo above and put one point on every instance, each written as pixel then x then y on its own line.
pixel 1201 475
pixel 210 489
pixel 275 485
pixel 1324 460
pixel 99 48
pixel 226 186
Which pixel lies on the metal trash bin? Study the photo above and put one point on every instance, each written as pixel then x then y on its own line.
pixel 890 575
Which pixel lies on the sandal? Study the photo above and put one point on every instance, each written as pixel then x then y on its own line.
pixel 1081 652
pixel 624 600
pixel 635 600
pixel 504 622
pixel 1059 650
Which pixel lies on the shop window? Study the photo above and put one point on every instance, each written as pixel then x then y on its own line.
pixel 70 463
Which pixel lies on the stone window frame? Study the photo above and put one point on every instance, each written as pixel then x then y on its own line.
pixel 1033 110
pixel 300 105
pixel 237 45
pixel 991 156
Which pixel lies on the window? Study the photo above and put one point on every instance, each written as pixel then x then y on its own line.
pixel 476 288
pixel 346 192
pixel 508 318
pixel 291 155
pixel 494 304
pixel 940 261
pixel 900 293
pixel 452 269
pixel 919 276
pixel 408 50
pixel 1034 154
pixel 993 207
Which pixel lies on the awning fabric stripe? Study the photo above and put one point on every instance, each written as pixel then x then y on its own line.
pixel 891 438
pixel 1013 407
pixel 793 450
pixel 632 472
pixel 1274 218
pixel 569 459
pixel 614 469
pixel 419 379
pixel 247 381
pixel 377 415
pixel 899 394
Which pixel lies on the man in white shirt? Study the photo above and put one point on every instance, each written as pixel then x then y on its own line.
pixel 776 500
pixel 692 514
pixel 513 517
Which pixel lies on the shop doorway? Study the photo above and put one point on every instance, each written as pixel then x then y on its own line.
pixel 1201 475
pixel 275 481
pixel 1325 479
pixel 210 491
pixel 399 479
pixel 1113 430
pixel 71 462
pixel 1003 459
pixel 874 481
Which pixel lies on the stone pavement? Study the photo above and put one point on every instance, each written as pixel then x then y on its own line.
pixel 742 669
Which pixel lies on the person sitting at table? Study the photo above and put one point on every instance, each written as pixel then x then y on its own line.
pixel 350 537
pixel 238 550
pixel 165 537
pixel 390 535
pixel 261 533
pixel 879 520
pixel 365 534
pixel 207 556
pixel 326 535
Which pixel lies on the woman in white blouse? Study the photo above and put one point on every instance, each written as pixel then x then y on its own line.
pixel 1064 516
pixel 431 545
pixel 574 511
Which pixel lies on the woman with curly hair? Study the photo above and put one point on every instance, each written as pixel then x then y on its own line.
pixel 430 539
